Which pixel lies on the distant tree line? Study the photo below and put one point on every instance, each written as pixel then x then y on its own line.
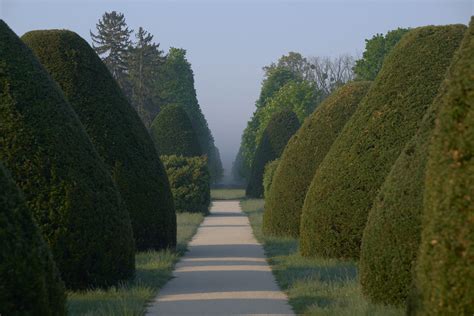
pixel 301 83
pixel 151 80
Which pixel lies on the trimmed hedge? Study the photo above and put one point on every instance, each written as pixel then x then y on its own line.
pixel 280 128
pixel 445 268
pixel 173 133
pixel 116 131
pixel 268 174
pixel 30 282
pixel 190 183
pixel 391 237
pixel 302 156
pixel 65 183
pixel 347 181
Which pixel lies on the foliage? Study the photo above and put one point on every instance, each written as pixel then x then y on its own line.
pixel 177 87
pixel 66 184
pixel 190 183
pixel 279 130
pixel 293 82
pixel 347 181
pixel 151 80
pixel 275 78
pixel 314 286
pixel 445 274
pixel 391 237
pixel 330 73
pixel 325 73
pixel 268 174
pixel 302 156
pixel 144 64
pixel 116 131
pixel 299 97
pixel 174 134
pixel 154 269
pixel 295 64
pixel 376 49
pixel 30 280
pixel 112 41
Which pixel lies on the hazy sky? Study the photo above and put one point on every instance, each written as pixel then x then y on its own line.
pixel 229 41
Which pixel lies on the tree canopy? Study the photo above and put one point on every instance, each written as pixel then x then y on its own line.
pixel 376 49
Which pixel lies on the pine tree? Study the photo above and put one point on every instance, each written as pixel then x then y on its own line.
pixel 144 64
pixel 112 44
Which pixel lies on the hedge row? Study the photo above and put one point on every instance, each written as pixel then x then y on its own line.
pixel 190 183
pixel 347 181
pixel 66 185
pixel 268 175
pixel 445 273
pixel 302 156
pixel 173 133
pixel 30 282
pixel 116 131
pixel 279 130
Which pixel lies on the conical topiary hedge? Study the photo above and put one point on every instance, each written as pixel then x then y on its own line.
pixel 190 183
pixel 391 237
pixel 445 267
pixel 280 128
pixel 268 175
pixel 302 156
pixel 344 186
pixel 173 133
pixel 66 185
pixel 116 131
pixel 30 282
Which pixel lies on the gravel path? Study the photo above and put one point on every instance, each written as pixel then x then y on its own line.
pixel 223 273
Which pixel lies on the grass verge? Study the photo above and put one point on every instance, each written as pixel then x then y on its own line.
pixel 153 270
pixel 227 194
pixel 314 286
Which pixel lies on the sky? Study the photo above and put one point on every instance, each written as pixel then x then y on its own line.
pixel 229 41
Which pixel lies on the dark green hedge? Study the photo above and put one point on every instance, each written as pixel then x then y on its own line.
pixel 391 237
pixel 173 133
pixel 445 268
pixel 268 175
pixel 347 181
pixel 66 185
pixel 116 131
pixel 190 183
pixel 279 130
pixel 29 280
pixel 302 156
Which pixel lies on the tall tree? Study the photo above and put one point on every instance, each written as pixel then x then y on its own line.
pixel 295 63
pixel 376 49
pixel 112 43
pixel 328 73
pixel 144 63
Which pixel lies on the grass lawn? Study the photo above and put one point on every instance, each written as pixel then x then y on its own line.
pixel 314 286
pixel 153 270
pixel 227 194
